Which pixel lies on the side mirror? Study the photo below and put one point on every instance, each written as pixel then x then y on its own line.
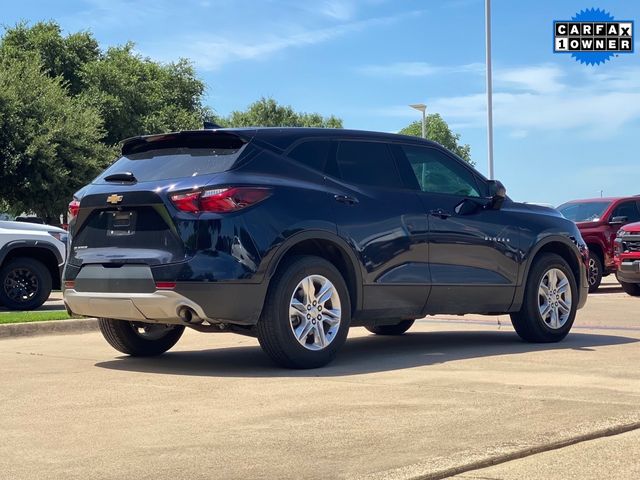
pixel 620 220
pixel 497 193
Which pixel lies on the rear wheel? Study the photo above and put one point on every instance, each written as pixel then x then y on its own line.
pixel 632 289
pixel 25 284
pixel 550 301
pixel 139 339
pixel 306 315
pixel 594 275
pixel 397 329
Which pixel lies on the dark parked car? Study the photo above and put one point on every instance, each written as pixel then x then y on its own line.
pixel 598 220
pixel 294 235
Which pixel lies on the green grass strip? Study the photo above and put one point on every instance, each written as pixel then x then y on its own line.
pixel 22 317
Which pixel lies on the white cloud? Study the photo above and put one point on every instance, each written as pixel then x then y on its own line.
pixel 341 10
pixel 417 69
pixel 545 98
pixel 210 52
pixel 539 78
pixel 519 134
pixel 337 9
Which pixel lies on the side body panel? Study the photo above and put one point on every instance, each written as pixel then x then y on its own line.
pixel 474 258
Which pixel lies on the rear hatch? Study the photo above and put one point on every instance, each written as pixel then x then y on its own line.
pixel 125 216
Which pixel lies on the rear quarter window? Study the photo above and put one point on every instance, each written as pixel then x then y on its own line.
pixel 311 153
pixel 368 163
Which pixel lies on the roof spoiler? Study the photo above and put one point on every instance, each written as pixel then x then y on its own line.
pixel 189 139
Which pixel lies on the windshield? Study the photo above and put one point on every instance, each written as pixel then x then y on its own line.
pixel 584 212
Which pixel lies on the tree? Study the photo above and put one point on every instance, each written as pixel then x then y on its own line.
pixel 65 103
pixel 134 94
pixel 139 96
pixel 49 141
pixel 60 56
pixel 266 112
pixel 439 132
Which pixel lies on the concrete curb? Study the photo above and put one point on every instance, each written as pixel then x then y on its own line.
pixel 50 327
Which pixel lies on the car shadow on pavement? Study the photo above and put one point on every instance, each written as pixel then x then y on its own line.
pixel 360 355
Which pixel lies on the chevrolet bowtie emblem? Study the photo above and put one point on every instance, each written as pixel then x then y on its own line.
pixel 115 198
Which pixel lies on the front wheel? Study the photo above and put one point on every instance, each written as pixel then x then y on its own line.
pixel 307 314
pixel 140 339
pixel 550 301
pixel 397 329
pixel 632 289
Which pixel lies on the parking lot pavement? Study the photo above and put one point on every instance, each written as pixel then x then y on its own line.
pixel 610 457
pixel 451 395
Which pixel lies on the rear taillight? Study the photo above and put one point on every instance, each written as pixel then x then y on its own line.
pixel 219 200
pixel 74 206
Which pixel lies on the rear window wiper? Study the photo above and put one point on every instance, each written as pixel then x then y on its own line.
pixel 121 177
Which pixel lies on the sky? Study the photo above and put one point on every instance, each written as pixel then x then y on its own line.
pixel 562 130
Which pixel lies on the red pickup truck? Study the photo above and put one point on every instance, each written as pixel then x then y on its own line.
pixel 599 220
pixel 627 258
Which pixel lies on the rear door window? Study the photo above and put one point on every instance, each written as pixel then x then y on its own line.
pixel 367 163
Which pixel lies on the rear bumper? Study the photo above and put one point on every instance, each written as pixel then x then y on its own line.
pixel 629 271
pixel 238 304
pixel 160 306
pixel 129 292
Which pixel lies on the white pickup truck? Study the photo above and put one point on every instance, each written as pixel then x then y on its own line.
pixel 31 261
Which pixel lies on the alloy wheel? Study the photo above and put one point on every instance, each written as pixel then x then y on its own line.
pixel 314 312
pixel 554 298
pixel 21 285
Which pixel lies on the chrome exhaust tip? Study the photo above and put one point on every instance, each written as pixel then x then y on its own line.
pixel 188 315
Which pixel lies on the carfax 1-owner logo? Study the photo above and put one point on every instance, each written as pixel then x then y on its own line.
pixel 593 36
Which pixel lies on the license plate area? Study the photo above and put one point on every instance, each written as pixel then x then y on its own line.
pixel 121 223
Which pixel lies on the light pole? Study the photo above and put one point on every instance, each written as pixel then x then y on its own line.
pixel 487 18
pixel 422 108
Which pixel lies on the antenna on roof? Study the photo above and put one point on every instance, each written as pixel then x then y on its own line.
pixel 210 125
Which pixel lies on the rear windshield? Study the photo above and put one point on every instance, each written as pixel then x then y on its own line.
pixel 584 212
pixel 169 163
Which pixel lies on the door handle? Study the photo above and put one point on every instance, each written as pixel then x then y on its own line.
pixel 346 199
pixel 440 213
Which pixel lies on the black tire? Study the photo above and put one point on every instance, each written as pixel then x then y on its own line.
pixel 34 284
pixel 595 272
pixel 528 322
pixel 275 329
pixel 397 329
pixel 125 336
pixel 632 289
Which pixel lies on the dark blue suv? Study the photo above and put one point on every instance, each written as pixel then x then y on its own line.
pixel 294 235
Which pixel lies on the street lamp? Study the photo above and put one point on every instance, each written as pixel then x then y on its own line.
pixel 422 108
